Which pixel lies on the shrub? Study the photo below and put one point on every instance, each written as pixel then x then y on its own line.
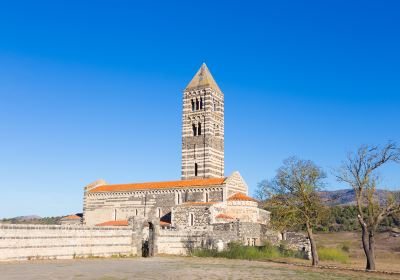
pixel 346 247
pixel 238 251
pixel 332 254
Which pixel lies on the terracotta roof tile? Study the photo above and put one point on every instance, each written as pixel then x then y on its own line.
pixel 223 216
pixel 241 197
pixel 72 217
pixel 114 223
pixel 160 185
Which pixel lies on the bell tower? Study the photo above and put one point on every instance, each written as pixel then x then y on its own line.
pixel 203 128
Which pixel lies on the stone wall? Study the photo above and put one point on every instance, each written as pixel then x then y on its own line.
pixel 182 217
pixel 177 242
pixel 181 241
pixel 298 242
pixel 247 211
pixel 21 242
pixel 24 242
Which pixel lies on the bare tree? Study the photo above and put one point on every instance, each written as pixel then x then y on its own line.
pixel 293 198
pixel 360 171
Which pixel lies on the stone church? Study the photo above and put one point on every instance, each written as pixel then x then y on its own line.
pixel 204 196
pixel 204 209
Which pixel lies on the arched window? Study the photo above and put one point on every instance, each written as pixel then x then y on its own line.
pixel 206 198
pixel 159 212
pixel 199 129
pixel 191 219
pixel 178 198
pixel 215 106
pixel 192 105
pixel 201 103
pixel 195 169
pixel 136 212
pixel 194 130
pixel 197 104
pixel 115 214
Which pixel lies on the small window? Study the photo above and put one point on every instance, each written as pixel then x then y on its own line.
pixel 192 105
pixel 136 212
pixel 194 130
pixel 207 197
pixel 199 129
pixel 197 104
pixel 201 103
pixel 195 169
pixel 159 212
pixel 191 217
pixel 178 198
pixel 215 106
pixel 115 214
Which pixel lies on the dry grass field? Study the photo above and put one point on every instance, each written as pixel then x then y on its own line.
pixel 387 250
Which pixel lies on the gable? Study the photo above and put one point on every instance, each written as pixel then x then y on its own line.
pixel 236 184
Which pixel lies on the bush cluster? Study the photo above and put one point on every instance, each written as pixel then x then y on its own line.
pixel 238 251
pixel 344 218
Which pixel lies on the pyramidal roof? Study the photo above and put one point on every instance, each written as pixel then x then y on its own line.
pixel 202 79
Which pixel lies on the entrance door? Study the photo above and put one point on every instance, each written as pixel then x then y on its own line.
pixel 151 240
pixel 148 241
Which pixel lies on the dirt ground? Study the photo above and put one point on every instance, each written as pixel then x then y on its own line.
pixel 170 268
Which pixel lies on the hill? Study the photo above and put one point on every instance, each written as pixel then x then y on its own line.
pixel 346 197
pixel 33 219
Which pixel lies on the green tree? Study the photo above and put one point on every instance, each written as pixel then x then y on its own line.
pixel 293 198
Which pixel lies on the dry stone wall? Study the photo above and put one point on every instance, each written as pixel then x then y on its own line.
pixel 25 242
pixel 219 235
pixel 22 242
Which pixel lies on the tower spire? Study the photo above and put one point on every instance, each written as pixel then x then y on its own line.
pixel 203 79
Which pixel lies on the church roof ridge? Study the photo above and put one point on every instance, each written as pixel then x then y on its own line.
pixel 203 78
pixel 159 185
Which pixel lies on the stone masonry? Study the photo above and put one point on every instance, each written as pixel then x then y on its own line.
pixel 203 128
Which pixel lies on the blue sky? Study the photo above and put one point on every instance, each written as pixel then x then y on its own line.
pixel 92 89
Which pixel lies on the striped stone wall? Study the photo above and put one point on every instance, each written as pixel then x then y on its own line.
pixel 108 206
pixel 205 150
pixel 26 242
pixel 236 184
